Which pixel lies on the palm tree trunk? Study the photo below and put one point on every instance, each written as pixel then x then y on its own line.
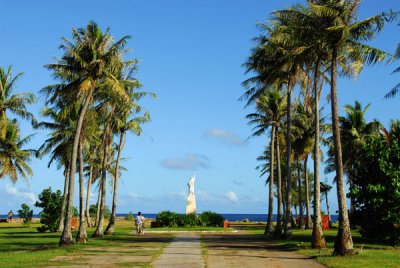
pixel 66 237
pixel 110 226
pixel 89 184
pixel 99 229
pixel 343 242
pixel 64 202
pixel 301 222
pixel 307 192
pixel 278 228
pixel 82 235
pixel 269 228
pixel 318 240
pixel 288 214
pixel 98 204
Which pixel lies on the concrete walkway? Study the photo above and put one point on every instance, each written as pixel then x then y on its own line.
pixel 183 251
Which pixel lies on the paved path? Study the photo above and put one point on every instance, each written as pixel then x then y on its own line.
pixel 230 250
pixel 183 251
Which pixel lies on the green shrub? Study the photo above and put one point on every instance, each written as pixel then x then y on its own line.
pixel 190 220
pixel 25 213
pixel 129 216
pixel 168 218
pixel 208 218
pixel 50 215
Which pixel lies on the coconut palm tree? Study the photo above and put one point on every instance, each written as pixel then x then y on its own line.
pixel 270 112
pixel 15 103
pixel 88 63
pixel 343 33
pixel 340 34
pixel 355 131
pixel 393 92
pixel 133 126
pixel 275 64
pixel 13 158
pixel 60 145
pixel 127 121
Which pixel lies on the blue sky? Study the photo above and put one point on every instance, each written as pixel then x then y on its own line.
pixel 190 54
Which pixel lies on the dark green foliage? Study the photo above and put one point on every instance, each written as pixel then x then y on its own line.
pixel 51 204
pixel 25 213
pixel 190 220
pixel 209 218
pixel 93 211
pixel 377 190
pixel 168 219
pixel 129 216
pixel 172 219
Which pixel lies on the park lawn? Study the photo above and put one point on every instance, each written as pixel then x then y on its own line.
pixel 368 254
pixel 23 246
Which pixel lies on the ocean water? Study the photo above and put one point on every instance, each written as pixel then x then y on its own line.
pixel 229 217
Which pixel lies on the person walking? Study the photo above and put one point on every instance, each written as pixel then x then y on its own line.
pixel 140 223
pixel 10 216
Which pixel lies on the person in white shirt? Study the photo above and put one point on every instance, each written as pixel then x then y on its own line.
pixel 140 223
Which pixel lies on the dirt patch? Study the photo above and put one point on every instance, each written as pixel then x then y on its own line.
pixel 131 252
pixel 244 250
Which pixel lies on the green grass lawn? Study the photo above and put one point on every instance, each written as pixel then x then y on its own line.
pixel 22 246
pixel 367 253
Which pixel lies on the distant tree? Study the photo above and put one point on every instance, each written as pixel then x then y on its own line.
pixel 93 211
pixel 51 203
pixel 25 213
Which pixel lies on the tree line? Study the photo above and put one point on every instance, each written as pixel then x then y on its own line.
pixel 303 49
pixel 89 109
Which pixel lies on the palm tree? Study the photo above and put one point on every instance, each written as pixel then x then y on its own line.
pixel 275 64
pixel 340 34
pixel 14 160
pixel 123 124
pixel 393 92
pixel 343 33
pixel 59 144
pixel 15 103
pixel 270 112
pixel 87 64
pixel 132 125
pixel 354 131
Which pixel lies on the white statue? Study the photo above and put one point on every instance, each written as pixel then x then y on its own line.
pixel 191 185
pixel 191 199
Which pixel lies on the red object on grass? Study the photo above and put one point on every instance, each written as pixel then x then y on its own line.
pixel 74 223
pixel 325 223
pixel 227 224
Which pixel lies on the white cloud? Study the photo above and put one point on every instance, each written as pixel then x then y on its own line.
pixel 12 198
pixel 189 162
pixel 232 196
pixel 225 137
pixel 24 195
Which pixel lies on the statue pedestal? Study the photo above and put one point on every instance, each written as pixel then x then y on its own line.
pixel 191 204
